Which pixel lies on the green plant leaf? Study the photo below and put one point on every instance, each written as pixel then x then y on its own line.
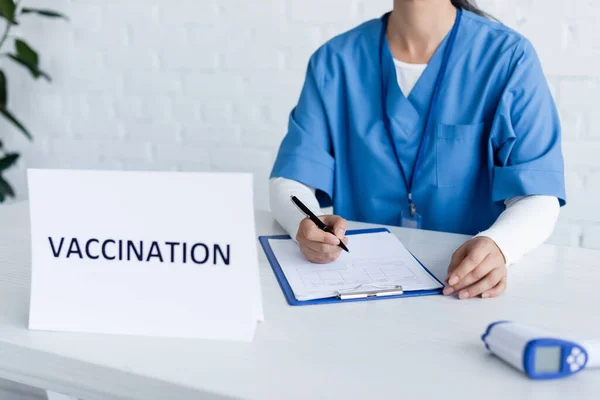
pixel 7 114
pixel 45 13
pixel 8 161
pixel 26 53
pixel 5 189
pixel 33 69
pixel 3 90
pixel 7 10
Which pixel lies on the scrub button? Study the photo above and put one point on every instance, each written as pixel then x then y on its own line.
pixel 581 359
pixel 571 359
pixel 575 351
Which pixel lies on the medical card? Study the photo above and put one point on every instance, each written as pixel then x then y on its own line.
pixel 375 259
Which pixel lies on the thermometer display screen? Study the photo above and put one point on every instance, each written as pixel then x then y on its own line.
pixel 547 359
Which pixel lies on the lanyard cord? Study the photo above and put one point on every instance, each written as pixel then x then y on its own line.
pixel 430 110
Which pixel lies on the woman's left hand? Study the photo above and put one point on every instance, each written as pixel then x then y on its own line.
pixel 477 268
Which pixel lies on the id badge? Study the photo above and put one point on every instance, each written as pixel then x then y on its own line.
pixel 406 221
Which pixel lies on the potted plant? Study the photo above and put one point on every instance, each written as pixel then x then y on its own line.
pixel 15 49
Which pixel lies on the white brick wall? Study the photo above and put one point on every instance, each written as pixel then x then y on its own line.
pixel 208 85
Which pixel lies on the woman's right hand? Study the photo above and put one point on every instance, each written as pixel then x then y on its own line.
pixel 319 246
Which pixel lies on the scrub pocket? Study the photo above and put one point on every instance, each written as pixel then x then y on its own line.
pixel 460 154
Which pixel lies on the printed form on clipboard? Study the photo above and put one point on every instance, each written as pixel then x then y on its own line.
pixel 377 261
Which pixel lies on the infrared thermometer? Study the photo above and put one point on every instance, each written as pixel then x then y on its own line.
pixel 538 354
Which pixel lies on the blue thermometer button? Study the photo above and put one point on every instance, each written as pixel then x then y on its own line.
pixel 575 359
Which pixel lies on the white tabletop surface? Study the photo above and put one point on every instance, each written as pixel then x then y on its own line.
pixel 422 347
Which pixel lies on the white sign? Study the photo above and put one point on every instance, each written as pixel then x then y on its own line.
pixel 144 253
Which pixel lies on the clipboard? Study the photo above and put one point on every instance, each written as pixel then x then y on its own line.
pixel 289 293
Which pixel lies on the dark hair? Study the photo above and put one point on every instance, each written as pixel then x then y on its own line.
pixel 470 5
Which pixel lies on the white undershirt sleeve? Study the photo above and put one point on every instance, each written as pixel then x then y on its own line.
pixel 284 211
pixel 525 223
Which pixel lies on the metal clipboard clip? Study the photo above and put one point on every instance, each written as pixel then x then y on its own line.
pixel 376 291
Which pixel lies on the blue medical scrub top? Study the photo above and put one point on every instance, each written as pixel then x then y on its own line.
pixel 495 133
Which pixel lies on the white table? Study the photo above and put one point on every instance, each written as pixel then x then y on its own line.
pixel 403 348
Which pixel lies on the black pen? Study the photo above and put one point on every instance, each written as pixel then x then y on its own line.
pixel 316 220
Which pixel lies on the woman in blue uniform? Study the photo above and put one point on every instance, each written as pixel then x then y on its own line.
pixel 433 116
